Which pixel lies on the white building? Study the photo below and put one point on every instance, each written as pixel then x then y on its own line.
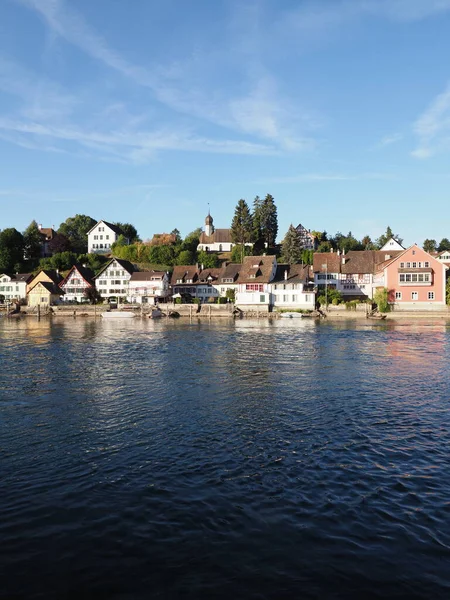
pixel 113 279
pixel 214 240
pixel 291 288
pixel 75 284
pixel 14 287
pixel 102 236
pixel 148 287
pixel 392 244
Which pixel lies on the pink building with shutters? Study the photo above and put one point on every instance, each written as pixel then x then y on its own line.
pixel 415 280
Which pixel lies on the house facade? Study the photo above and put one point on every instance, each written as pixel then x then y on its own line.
pixel 353 274
pixel 44 294
pixel 102 236
pixel 146 287
pixel 113 280
pixel 45 276
pixel 415 280
pixel 14 287
pixel 255 276
pixel 307 239
pixel 392 244
pixel 293 287
pixel 192 281
pixel 75 284
pixel 227 279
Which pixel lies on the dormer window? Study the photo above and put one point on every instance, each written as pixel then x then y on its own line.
pixel 252 275
pixel 188 280
pixel 179 281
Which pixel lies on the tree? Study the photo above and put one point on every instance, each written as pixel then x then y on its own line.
pixel 122 240
pixel 269 221
pixel 324 247
pixel 381 241
pixel 129 231
pixel 238 252
pixel 381 298
pixel 209 260
pixel 292 246
pixel 11 250
pixel 177 235
pixel 367 243
pixel 429 245
pixel 93 295
pixel 307 257
pixel 76 229
pixel 59 243
pixel 32 239
pixel 186 257
pixel 256 218
pixel 444 244
pixel 242 225
pixel 191 241
pixel 230 294
pixel 61 261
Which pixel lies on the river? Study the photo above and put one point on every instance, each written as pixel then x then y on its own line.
pixel 253 460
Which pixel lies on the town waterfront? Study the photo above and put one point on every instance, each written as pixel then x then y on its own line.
pixel 238 459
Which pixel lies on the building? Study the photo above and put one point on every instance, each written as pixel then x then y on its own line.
pixel 193 281
pixel 443 257
pixel 148 287
pixel 214 240
pixel 253 285
pixel 45 276
pixel 44 294
pixel 308 240
pixel 113 280
pixel 14 287
pixel 47 235
pixel 227 279
pixel 74 285
pixel 351 273
pixel 293 287
pixel 392 244
pixel 415 280
pixel 102 236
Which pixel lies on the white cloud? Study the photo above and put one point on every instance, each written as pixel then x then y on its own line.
pixel 183 86
pixel 433 126
pixel 388 140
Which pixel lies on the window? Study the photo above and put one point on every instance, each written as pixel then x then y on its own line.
pixel 408 265
pixel 294 298
pixel 414 296
pixel 398 295
pixel 285 298
pixel 426 264
pixel 430 295
pixel 414 265
pixel 402 265
pixel 262 298
pixel 106 237
pixel 306 297
pixel 413 252
pixel 275 287
pixel 254 287
pixel 415 277
pixel 95 237
pixel 419 264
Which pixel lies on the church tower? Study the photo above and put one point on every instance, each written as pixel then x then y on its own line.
pixel 209 227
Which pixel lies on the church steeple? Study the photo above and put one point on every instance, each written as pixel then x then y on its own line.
pixel 209 227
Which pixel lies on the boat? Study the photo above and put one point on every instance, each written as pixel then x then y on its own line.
pixel 155 314
pixel 118 314
pixel 377 317
pixel 291 315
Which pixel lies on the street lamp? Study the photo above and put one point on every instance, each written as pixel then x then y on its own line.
pixel 325 266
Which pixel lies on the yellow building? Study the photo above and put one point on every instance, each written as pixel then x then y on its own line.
pixel 44 293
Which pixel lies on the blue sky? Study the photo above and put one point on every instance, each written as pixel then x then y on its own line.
pixel 145 111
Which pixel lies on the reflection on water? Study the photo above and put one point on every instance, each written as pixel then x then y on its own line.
pixel 248 459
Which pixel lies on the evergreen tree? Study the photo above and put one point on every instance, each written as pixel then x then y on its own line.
pixel 209 260
pixel 269 221
pixel 444 244
pixel 242 225
pixel 429 245
pixel 32 239
pixel 256 217
pixel 292 246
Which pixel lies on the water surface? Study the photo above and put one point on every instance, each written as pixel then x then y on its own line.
pixel 144 459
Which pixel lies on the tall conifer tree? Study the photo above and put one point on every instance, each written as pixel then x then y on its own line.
pixel 269 221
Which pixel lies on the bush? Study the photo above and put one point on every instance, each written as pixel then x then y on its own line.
pixel 221 300
pixel 196 301
pixel 177 300
pixel 351 305
pixel 381 299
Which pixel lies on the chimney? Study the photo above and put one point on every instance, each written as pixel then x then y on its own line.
pixel 338 252
pixel 57 271
pixel 40 226
pixel 332 250
pixel 285 274
pixel 202 266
